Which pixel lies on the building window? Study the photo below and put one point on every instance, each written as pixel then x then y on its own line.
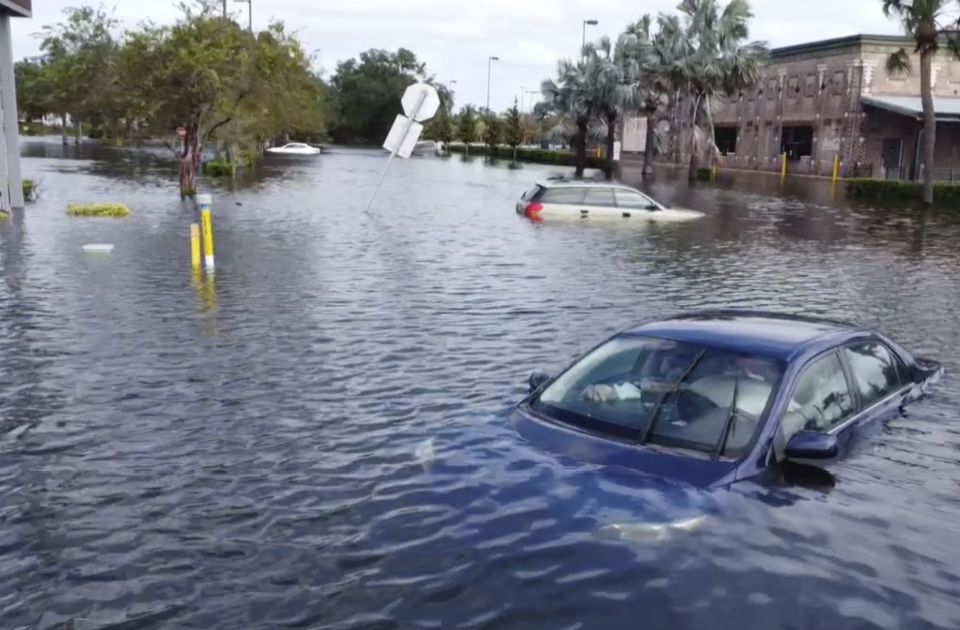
pixel 726 139
pixel 797 142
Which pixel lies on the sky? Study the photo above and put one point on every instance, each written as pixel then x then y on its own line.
pixel 457 37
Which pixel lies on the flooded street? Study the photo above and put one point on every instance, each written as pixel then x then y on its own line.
pixel 317 436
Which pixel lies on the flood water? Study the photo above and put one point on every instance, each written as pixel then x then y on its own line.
pixel 317 437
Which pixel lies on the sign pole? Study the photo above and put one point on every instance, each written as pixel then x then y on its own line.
pixel 393 153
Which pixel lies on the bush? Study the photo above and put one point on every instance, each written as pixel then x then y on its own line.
pixel 98 210
pixel 704 174
pixel 31 190
pixel 901 191
pixel 219 167
pixel 536 156
pixel 3 215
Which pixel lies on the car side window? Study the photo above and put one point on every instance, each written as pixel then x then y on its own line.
pixel 599 197
pixel 821 400
pixel 630 199
pixel 566 196
pixel 875 371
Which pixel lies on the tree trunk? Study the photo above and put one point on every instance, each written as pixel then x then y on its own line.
pixel 514 155
pixel 694 158
pixel 611 140
pixel 929 139
pixel 189 162
pixel 651 142
pixel 581 160
pixel 63 130
pixel 711 134
pixel 78 128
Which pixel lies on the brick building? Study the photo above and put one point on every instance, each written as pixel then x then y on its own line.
pixel 11 180
pixel 835 97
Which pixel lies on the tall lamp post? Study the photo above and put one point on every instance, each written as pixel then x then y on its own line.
pixel 586 23
pixel 249 4
pixel 490 61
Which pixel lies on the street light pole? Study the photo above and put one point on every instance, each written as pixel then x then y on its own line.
pixel 249 4
pixel 224 9
pixel 586 23
pixel 489 71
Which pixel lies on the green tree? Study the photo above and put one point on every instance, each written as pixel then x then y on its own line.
pixel 492 133
pixel 78 64
pixel 513 129
pixel 922 21
pixel 368 93
pixel 33 89
pixel 467 127
pixel 440 127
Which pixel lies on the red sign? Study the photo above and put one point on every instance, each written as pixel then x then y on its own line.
pixel 181 132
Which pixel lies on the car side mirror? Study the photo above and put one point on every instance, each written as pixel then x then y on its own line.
pixel 652 207
pixel 537 380
pixel 812 445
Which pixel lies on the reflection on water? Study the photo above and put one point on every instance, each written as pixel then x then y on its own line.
pixel 317 436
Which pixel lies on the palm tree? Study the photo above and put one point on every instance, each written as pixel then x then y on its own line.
pixel 716 63
pixel 921 21
pixel 571 96
pixel 608 72
pixel 648 59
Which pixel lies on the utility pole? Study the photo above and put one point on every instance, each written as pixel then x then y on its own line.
pixel 224 9
pixel 489 70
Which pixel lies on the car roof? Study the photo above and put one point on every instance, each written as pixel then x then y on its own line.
pixel 580 183
pixel 772 335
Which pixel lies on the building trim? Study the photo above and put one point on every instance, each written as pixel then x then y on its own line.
pixel 15 9
pixel 839 43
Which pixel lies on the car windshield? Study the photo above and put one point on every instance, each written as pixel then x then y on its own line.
pixel 668 393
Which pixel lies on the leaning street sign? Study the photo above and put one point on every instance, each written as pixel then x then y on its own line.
pixel 420 102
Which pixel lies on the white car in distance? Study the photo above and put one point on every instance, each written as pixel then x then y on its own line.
pixel 585 200
pixel 294 148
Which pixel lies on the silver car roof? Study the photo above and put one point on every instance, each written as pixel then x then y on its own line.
pixel 584 184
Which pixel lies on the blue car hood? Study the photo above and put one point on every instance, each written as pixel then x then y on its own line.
pixel 654 462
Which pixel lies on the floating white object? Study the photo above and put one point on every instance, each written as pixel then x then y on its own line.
pixel 98 248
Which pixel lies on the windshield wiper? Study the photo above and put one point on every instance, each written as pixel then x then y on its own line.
pixel 655 415
pixel 728 423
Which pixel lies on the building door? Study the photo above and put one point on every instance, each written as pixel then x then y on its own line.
pixel 891 156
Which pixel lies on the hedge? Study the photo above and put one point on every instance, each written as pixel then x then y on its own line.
pixel 897 190
pixel 535 156
pixel 98 210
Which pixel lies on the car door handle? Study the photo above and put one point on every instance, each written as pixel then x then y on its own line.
pixel 584 213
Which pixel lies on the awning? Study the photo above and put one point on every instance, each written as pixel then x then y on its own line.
pixel 947 109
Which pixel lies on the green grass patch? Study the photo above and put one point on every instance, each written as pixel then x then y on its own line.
pixel 219 167
pixel 901 191
pixel 98 210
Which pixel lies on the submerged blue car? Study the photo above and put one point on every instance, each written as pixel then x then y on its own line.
pixel 709 399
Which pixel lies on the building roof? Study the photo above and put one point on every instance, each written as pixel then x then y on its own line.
pixel 771 335
pixel 947 109
pixel 839 43
pixel 17 8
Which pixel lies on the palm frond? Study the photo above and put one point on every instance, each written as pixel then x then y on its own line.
pixel 899 63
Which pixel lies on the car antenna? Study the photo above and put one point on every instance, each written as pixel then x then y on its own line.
pixel 728 423
pixel 655 416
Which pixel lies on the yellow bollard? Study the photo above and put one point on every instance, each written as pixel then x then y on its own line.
pixel 783 165
pixel 206 227
pixel 195 245
pixel 836 168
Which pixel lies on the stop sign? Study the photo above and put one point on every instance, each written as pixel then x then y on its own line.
pixel 423 95
pixel 181 132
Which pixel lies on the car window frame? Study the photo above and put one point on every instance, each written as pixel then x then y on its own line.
pixel 545 200
pixel 588 189
pixel 905 386
pixel 651 202
pixel 898 365
pixel 859 409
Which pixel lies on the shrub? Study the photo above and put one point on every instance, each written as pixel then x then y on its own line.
pixel 31 190
pixel 219 167
pixel 98 210
pixel 901 191
pixel 3 215
pixel 704 174
pixel 536 156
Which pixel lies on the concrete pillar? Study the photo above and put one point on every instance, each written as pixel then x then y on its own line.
pixel 12 176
